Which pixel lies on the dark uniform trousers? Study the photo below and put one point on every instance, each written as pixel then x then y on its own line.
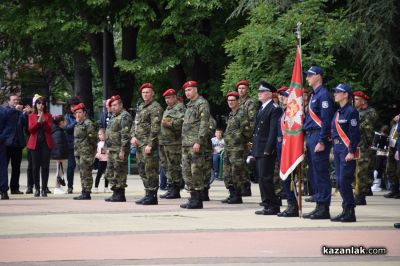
pixel 344 174
pixel 265 173
pixel 319 163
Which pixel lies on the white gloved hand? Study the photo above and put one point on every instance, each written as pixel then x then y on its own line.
pixel 249 159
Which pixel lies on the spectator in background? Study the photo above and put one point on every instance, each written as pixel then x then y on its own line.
pixel 15 141
pixel 101 155
pixel 60 149
pixel 3 156
pixel 218 146
pixel 70 123
pixel 40 143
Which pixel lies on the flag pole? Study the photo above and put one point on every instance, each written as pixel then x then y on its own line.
pixel 299 166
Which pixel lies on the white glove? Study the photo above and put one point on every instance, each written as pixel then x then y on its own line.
pixel 249 159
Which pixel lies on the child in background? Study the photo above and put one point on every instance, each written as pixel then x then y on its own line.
pixel 59 151
pixel 101 155
pixel 218 145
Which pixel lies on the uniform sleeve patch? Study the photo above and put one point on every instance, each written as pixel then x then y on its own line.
pixel 325 104
pixel 353 122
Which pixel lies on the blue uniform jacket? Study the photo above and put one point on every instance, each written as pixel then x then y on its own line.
pixel 350 124
pixel 14 129
pixel 70 123
pixel 322 105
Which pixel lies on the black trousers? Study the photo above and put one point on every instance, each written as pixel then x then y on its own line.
pixel 265 174
pixel 101 168
pixel 29 171
pixel 40 164
pixel 14 155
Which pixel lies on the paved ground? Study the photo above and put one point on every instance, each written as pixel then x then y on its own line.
pixel 60 231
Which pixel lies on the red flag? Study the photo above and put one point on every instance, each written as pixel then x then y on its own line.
pixel 292 126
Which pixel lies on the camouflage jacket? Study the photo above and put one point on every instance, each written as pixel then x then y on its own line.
pixel 195 128
pixel 146 126
pixel 238 131
pixel 85 138
pixel 212 126
pixel 368 119
pixel 249 106
pixel 172 133
pixel 118 130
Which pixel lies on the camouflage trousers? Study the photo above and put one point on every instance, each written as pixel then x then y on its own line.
pixel 235 172
pixel 85 162
pixel 193 165
pixel 117 170
pixel 208 169
pixel 148 166
pixel 170 159
pixel 365 169
pixel 393 169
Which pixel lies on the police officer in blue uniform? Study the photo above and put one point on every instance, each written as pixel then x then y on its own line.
pixel 346 136
pixel 317 126
pixel 292 209
pixel 3 155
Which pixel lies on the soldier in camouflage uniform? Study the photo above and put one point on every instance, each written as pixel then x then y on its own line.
pixel 145 131
pixel 237 135
pixel 170 141
pixel 195 135
pixel 368 119
pixel 208 165
pixel 393 165
pixel 118 144
pixel 85 139
pixel 249 106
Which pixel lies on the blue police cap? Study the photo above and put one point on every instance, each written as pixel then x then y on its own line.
pixel 314 70
pixel 343 87
pixel 265 86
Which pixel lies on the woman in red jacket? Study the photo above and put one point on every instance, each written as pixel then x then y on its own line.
pixel 40 144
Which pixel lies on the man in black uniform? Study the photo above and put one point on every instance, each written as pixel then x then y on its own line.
pixel 264 148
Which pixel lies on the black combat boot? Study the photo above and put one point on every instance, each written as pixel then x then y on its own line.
pixel 322 213
pixel 204 194
pixel 360 200
pixel 4 195
pixel 195 201
pixel 151 198
pixel 111 198
pixel 308 215
pixel 246 189
pixel 119 195
pixel 237 197
pixel 47 190
pixel 292 210
pixel 29 190
pixel 231 193
pixel 84 196
pixel 175 192
pixel 394 191
pixel 44 193
pixel 338 217
pixel 140 201
pixel 37 193
pixel 349 215
pixel 164 196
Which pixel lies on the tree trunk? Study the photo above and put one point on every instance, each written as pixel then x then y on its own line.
pixel 129 52
pixel 83 80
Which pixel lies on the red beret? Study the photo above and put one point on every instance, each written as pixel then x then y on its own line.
pixel 242 82
pixel 190 83
pixel 169 92
pixel 232 93
pixel 78 107
pixel 361 94
pixel 284 88
pixel 146 85
pixel 113 99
